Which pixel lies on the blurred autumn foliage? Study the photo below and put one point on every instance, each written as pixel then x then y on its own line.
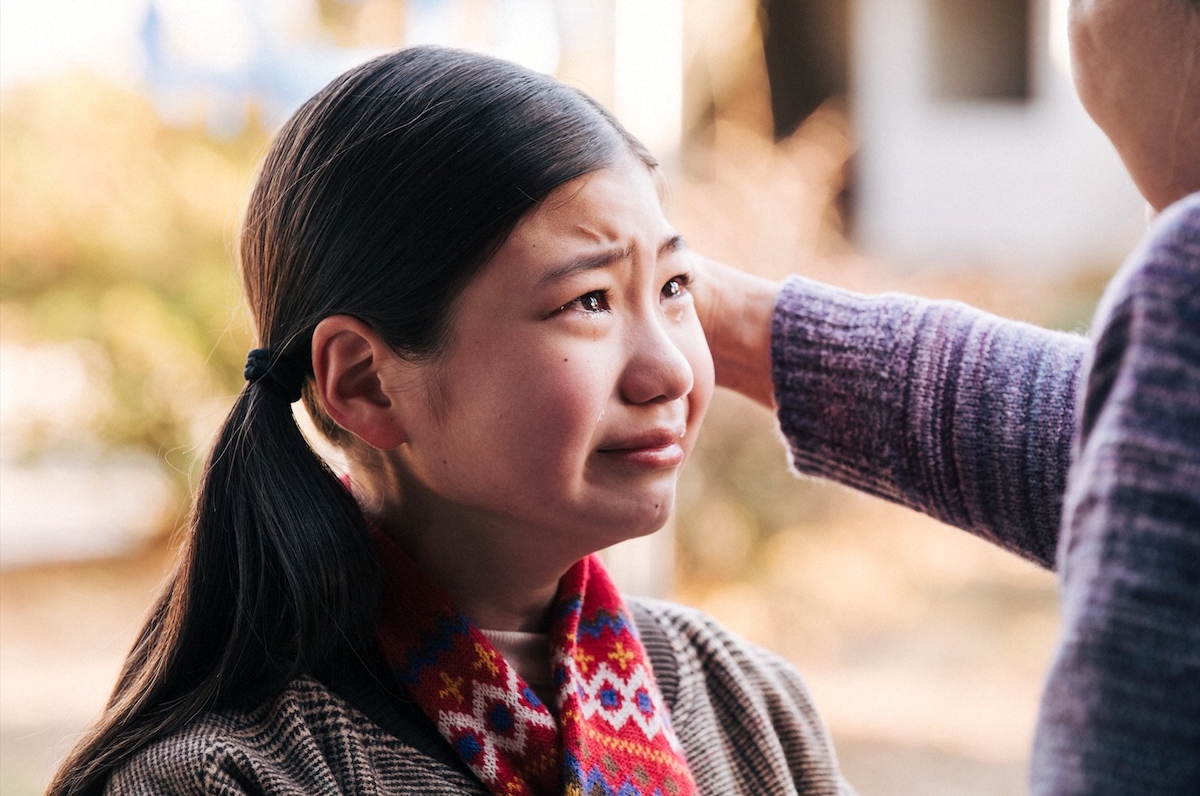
pixel 116 237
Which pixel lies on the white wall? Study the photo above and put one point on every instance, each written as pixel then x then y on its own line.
pixel 1031 183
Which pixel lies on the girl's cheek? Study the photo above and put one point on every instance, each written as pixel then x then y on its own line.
pixel 703 384
pixel 569 394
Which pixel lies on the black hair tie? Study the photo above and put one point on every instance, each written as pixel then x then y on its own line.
pixel 278 373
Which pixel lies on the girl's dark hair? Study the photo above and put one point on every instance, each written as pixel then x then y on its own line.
pixel 380 199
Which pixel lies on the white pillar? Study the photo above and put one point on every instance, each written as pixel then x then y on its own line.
pixel 648 73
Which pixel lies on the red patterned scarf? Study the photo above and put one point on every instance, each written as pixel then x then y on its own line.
pixel 612 736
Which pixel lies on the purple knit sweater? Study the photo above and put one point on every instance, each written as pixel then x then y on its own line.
pixel 972 420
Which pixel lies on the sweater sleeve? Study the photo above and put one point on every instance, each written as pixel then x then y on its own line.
pixel 945 409
pixel 1121 711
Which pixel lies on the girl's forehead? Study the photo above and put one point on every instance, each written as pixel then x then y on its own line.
pixel 589 222
pixel 600 205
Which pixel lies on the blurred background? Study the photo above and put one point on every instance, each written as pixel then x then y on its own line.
pixel 931 146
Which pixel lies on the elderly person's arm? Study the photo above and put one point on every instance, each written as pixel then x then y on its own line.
pixel 934 405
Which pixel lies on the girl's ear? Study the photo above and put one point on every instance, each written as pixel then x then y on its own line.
pixel 353 369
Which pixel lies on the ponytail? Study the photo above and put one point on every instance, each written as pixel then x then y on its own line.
pixel 276 578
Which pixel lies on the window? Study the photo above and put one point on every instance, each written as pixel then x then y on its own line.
pixel 981 49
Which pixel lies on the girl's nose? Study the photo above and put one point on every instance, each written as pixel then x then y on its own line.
pixel 656 369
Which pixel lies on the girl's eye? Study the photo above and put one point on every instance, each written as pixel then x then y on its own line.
pixel 675 286
pixel 594 302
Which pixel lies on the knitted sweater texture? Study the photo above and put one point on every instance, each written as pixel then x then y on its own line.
pixel 1084 454
pixel 742 715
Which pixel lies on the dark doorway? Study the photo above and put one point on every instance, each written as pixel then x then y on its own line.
pixel 807 47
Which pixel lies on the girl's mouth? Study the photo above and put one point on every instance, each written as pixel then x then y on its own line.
pixel 657 448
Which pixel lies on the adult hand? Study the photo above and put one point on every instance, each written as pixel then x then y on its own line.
pixel 735 309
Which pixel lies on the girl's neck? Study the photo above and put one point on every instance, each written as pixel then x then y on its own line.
pixel 501 579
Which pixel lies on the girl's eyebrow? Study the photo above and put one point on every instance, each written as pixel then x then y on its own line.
pixel 588 262
pixel 672 244
pixel 591 262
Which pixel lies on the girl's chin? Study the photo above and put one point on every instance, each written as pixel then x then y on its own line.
pixel 649 519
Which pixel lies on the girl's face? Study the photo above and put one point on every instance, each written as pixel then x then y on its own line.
pixel 575 378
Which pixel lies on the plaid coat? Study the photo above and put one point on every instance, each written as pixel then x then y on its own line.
pixel 742 714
